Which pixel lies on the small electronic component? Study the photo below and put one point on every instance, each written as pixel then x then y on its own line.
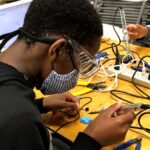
pixel 85 120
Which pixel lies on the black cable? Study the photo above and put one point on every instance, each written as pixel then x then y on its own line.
pixel 113 93
pixel 69 122
pixel 90 100
pixel 143 97
pixel 108 60
pixel 127 93
pixel 77 115
pixel 141 127
pixel 148 97
pixel 140 124
pixel 139 114
pixel 114 30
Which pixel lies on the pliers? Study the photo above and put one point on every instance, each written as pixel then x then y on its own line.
pixel 93 86
pixel 89 87
pixel 125 145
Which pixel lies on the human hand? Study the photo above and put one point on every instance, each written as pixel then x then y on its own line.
pixel 61 101
pixel 107 129
pixel 136 31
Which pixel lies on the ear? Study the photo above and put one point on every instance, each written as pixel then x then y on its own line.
pixel 56 48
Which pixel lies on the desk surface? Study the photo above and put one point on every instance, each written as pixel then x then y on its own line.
pixel 100 100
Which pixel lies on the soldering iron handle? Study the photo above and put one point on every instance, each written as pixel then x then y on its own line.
pixel 138 146
pixel 124 145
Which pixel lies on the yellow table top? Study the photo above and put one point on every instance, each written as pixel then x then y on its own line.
pixel 100 100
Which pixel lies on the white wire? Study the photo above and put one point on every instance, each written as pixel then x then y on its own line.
pixel 103 73
pixel 112 86
pixel 126 57
pixel 100 73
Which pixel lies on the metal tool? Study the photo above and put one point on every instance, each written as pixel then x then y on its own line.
pixel 93 86
pixel 136 106
pixel 136 141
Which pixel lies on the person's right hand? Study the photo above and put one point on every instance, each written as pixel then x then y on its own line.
pixel 107 129
pixel 136 31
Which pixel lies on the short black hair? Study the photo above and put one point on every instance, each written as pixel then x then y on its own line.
pixel 75 18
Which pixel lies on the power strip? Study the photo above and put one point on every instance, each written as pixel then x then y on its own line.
pixel 126 74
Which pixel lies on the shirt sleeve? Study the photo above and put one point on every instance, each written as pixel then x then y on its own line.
pixel 39 103
pixel 24 133
pixel 85 142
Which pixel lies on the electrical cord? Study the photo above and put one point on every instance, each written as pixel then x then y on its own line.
pixel 139 114
pixel 132 81
pixel 127 93
pixel 147 96
pixel 141 127
pixel 115 31
pixel 108 60
pixel 77 115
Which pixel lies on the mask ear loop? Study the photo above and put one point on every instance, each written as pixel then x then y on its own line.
pixel 71 57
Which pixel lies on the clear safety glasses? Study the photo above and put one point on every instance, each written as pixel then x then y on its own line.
pixel 83 61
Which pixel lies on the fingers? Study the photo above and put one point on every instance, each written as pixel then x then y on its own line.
pixel 113 109
pixel 70 98
pixel 131 27
pixel 127 118
pixel 70 105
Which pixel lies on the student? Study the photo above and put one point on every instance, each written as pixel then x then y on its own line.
pixel 43 46
pixel 139 33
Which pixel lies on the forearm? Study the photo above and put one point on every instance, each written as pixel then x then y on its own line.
pixel 85 142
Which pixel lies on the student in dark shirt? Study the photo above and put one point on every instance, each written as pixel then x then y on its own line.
pixel 44 44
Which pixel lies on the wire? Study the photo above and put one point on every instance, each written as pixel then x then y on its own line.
pixel 139 114
pixel 141 127
pixel 127 93
pixel 113 93
pixel 77 115
pixel 141 91
pixel 115 31
pixel 148 97
pixel 90 100
pixel 69 122
pixel 108 60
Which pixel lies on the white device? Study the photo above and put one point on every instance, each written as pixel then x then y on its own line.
pixel 12 17
pixel 126 74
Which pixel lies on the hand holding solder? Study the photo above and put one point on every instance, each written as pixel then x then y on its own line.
pixel 106 126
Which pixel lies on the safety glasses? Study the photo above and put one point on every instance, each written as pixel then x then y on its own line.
pixel 81 59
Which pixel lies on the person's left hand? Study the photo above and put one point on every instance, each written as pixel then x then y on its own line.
pixel 61 101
